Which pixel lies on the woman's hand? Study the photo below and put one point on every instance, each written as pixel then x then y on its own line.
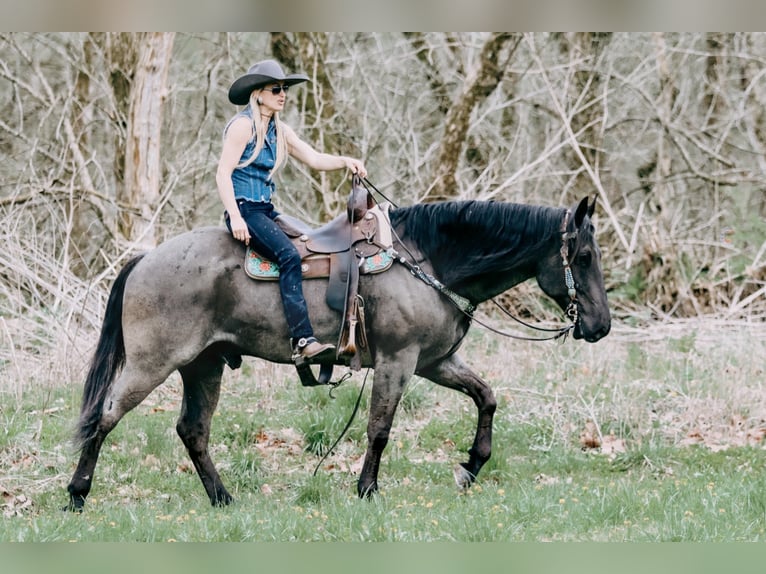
pixel 356 166
pixel 239 228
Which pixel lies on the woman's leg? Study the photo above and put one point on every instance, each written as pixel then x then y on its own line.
pixel 269 241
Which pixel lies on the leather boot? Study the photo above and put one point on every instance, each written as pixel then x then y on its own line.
pixel 308 348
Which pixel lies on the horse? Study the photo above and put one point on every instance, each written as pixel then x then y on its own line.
pixel 186 305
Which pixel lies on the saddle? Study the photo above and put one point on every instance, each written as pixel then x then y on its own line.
pixel 358 242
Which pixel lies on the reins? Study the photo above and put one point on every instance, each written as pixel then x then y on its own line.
pixel 468 308
pixel 348 424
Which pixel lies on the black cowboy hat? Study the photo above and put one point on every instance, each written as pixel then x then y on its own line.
pixel 260 74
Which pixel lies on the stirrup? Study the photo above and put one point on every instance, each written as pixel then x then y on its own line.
pixel 307 376
pixel 308 350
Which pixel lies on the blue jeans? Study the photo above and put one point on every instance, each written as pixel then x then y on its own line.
pixel 269 241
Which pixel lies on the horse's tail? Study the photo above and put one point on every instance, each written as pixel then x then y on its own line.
pixel 108 358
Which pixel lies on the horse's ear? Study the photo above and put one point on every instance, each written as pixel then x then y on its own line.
pixel 592 208
pixel 581 212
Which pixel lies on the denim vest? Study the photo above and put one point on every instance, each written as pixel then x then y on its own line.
pixel 252 182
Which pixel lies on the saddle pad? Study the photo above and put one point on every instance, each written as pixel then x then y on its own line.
pixel 312 267
pixel 377 263
pixel 259 268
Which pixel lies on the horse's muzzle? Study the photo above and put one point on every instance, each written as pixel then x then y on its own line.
pixel 592 336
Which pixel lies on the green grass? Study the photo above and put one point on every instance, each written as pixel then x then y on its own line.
pixel 681 408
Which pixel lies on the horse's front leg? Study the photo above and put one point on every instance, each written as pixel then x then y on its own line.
pixel 391 376
pixel 454 374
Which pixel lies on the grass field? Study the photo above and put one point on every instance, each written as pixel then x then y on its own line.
pixel 653 434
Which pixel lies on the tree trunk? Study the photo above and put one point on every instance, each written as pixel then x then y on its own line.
pixel 751 83
pixel 478 86
pixel 665 110
pixel 87 227
pixel 141 190
pixel 585 50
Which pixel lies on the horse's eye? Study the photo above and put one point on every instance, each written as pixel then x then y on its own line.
pixel 584 258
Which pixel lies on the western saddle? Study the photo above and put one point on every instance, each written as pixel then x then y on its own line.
pixel 356 242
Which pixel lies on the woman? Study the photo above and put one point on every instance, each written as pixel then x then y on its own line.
pixel 255 145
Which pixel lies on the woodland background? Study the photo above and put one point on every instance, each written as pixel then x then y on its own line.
pixel 109 143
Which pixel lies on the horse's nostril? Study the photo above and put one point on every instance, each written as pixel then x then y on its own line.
pixel 599 334
pixel 604 331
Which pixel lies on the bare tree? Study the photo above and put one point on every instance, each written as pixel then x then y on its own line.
pixel 484 79
pixel 140 194
pixel 587 107
pixel 425 53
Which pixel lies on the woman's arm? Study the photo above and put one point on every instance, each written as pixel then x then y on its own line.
pixel 303 152
pixel 234 143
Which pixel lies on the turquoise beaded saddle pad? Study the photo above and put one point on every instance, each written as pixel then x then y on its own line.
pixel 312 267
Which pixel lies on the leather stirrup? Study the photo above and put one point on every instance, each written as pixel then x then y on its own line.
pixel 307 375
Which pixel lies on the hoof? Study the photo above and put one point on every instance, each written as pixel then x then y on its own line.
pixel 367 492
pixel 463 478
pixel 76 504
pixel 222 500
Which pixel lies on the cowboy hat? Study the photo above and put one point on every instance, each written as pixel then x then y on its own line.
pixel 260 74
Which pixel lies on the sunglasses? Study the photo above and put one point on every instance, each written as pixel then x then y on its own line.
pixel 276 90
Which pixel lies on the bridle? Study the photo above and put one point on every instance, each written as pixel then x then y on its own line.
pixel 571 311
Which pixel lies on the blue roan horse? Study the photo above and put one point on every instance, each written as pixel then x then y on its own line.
pixel 187 305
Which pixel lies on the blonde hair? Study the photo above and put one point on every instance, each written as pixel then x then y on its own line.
pixel 259 129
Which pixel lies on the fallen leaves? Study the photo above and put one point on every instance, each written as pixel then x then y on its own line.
pixel 15 504
pixel 611 445
pixel 151 462
pixel 734 433
pixel 732 436
pixel 592 439
pixel 286 441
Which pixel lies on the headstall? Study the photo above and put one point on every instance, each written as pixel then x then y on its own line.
pixel 571 310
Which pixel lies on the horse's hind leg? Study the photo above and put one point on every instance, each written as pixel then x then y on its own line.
pixel 202 385
pixel 82 479
pixel 130 388
pixel 454 374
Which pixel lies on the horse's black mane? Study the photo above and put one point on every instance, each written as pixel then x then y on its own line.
pixel 469 238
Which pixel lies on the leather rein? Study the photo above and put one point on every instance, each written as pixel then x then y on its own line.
pixel 468 308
